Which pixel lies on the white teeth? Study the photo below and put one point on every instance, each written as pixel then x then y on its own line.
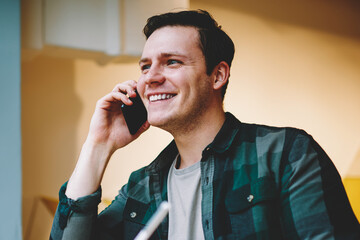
pixel 163 96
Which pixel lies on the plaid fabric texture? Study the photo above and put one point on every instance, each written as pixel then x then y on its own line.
pixel 258 182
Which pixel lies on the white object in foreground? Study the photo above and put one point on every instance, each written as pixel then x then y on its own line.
pixel 154 222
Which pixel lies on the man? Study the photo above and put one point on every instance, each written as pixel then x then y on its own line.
pixel 224 179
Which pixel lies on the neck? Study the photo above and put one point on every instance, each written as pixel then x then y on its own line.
pixel 192 142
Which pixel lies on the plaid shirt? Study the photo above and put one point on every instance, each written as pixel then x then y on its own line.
pixel 258 182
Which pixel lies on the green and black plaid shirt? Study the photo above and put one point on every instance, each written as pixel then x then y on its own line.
pixel 258 182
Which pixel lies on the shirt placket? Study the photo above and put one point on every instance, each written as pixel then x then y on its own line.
pixel 207 176
pixel 156 189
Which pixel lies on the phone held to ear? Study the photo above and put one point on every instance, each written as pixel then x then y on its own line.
pixel 135 115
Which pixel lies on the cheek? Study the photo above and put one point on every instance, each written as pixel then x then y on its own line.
pixel 141 87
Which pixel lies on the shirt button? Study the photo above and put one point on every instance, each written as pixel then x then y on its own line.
pixel 207 224
pixel 250 198
pixel 207 149
pixel 133 214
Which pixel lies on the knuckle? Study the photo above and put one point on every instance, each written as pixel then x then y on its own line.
pixel 98 102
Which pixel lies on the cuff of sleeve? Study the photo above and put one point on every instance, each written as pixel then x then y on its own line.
pixel 84 204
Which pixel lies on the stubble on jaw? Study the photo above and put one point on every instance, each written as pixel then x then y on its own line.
pixel 185 122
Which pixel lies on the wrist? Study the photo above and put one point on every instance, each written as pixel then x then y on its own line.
pixel 89 169
pixel 102 150
pixel 97 145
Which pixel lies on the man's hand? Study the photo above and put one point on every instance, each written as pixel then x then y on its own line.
pixel 108 125
pixel 108 132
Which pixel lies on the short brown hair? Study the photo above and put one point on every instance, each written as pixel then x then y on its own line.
pixel 215 44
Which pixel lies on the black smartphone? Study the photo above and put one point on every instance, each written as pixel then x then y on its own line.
pixel 135 115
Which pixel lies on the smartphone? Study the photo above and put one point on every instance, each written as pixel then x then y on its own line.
pixel 135 115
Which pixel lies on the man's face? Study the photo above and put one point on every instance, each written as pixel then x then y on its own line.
pixel 173 84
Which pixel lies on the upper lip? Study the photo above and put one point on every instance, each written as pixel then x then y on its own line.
pixel 158 93
pixel 163 95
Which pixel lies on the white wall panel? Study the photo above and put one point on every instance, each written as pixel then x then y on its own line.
pixel 99 29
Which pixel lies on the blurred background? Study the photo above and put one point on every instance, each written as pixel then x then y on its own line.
pixel 297 63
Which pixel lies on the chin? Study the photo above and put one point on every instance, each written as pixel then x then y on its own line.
pixel 163 121
pixel 156 121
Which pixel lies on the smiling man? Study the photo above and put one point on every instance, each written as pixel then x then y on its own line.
pixel 223 179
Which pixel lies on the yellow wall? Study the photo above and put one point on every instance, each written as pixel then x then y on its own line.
pixel 288 71
pixel 352 186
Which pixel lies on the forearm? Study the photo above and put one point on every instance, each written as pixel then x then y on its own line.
pixel 89 170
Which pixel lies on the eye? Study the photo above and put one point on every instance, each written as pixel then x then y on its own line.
pixel 173 61
pixel 145 67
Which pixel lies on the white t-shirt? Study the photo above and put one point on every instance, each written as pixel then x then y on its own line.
pixel 184 195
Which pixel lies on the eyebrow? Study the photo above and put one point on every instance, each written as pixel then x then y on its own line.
pixel 164 55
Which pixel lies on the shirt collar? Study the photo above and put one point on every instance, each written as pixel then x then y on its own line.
pixel 164 159
pixel 225 137
pixel 221 143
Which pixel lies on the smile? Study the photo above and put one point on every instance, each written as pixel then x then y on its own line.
pixel 159 97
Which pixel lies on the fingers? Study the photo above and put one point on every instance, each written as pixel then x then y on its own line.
pixel 115 97
pixel 127 88
pixel 120 94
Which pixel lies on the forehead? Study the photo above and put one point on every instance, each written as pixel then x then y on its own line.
pixel 181 39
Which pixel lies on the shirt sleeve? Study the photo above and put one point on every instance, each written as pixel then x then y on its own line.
pixel 74 219
pixel 79 219
pixel 314 201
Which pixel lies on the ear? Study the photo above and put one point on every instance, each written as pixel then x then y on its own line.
pixel 221 75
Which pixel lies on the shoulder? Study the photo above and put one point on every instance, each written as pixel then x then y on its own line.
pixel 272 137
pixel 274 149
pixel 139 175
pixel 137 186
pixel 264 140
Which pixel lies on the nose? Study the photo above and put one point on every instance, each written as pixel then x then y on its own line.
pixel 154 75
